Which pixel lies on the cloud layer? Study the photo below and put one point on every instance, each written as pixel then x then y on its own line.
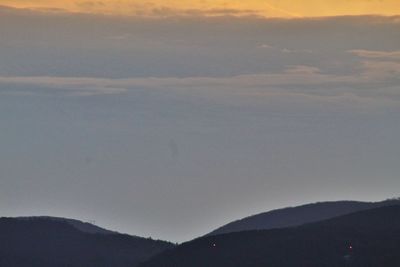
pixel 375 79
pixel 283 8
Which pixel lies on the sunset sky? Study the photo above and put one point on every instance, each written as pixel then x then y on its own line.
pixel 271 8
pixel 214 111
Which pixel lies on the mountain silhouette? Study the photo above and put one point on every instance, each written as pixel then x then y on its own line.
pixel 369 238
pixel 299 215
pixel 48 241
pixel 82 226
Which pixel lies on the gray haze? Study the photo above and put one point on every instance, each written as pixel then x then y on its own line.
pixel 170 128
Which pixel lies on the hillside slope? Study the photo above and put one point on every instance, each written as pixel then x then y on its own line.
pixel 82 226
pixel 299 215
pixel 368 238
pixel 48 242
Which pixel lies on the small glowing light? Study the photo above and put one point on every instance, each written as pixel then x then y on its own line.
pixel 350 247
pixel 214 245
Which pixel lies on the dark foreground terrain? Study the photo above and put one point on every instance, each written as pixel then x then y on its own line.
pixel 368 238
pixel 53 242
pixel 368 235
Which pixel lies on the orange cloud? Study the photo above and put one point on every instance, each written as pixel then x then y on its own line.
pixel 268 8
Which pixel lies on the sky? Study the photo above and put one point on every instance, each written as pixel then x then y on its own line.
pixel 175 120
pixel 267 8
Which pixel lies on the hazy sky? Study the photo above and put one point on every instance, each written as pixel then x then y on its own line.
pixel 170 127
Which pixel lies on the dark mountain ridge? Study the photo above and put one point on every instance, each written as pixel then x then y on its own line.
pixel 293 216
pixel 82 226
pixel 308 234
pixel 46 242
pixel 369 238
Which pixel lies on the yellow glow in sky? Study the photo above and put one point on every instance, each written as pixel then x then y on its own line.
pixel 269 8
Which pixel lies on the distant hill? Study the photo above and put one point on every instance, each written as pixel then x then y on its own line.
pixel 370 238
pixel 295 216
pixel 47 241
pixel 82 226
